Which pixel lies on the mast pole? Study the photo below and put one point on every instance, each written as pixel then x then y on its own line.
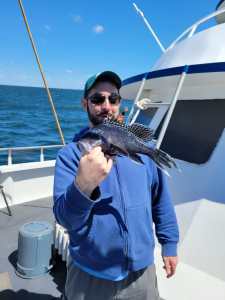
pixel 42 73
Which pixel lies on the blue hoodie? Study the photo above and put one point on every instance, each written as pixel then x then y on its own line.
pixel 113 234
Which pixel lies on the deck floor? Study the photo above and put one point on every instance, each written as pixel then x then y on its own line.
pixel 46 287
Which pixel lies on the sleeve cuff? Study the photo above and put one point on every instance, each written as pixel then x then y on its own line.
pixel 169 249
pixel 77 200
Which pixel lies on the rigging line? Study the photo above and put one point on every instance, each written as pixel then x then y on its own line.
pixel 149 27
pixel 42 73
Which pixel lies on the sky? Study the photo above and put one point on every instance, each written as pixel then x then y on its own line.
pixel 76 39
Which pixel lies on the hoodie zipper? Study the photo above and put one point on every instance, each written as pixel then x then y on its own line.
pixel 125 217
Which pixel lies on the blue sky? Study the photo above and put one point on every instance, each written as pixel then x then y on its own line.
pixel 76 39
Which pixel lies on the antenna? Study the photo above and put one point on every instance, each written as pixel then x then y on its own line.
pixel 149 27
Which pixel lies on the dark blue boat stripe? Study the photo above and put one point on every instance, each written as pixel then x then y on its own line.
pixel 201 68
pixel 219 4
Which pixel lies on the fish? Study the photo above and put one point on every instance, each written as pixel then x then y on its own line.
pixel 116 138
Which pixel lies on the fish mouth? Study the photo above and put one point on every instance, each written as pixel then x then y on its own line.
pixel 82 147
pixel 85 145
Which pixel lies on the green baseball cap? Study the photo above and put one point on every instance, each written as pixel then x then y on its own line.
pixel 103 76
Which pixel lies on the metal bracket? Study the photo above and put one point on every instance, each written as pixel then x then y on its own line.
pixel 6 202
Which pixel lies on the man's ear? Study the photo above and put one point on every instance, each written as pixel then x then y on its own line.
pixel 84 103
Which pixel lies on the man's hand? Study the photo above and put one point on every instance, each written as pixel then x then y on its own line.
pixel 170 264
pixel 92 170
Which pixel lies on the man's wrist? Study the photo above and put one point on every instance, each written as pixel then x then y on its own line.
pixel 169 249
pixel 85 189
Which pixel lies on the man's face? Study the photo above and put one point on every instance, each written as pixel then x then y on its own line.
pixel 97 112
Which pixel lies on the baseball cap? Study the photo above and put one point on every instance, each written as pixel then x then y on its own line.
pixel 102 76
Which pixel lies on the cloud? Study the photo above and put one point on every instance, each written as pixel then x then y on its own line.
pixel 48 27
pixel 69 71
pixel 98 29
pixel 77 18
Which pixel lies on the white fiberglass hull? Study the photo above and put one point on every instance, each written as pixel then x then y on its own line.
pixel 26 182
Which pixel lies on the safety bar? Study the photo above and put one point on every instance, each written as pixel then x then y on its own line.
pixel 193 28
pixel 41 148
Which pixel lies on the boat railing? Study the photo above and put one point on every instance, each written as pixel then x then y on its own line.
pixel 192 29
pixel 30 148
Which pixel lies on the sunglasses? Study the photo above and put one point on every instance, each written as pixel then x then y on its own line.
pixel 98 98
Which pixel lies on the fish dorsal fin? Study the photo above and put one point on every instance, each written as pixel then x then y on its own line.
pixel 114 122
pixel 141 131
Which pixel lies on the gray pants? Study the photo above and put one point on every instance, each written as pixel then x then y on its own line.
pixel 139 285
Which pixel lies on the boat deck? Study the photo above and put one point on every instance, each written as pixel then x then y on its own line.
pixel 46 287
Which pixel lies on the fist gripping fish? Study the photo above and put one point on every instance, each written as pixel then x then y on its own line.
pixel 121 139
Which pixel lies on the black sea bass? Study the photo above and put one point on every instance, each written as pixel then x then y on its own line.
pixel 121 139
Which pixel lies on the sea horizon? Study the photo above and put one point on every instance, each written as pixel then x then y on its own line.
pixel 42 87
pixel 26 119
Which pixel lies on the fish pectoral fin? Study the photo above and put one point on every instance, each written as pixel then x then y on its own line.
pixel 142 132
pixel 115 150
pixel 136 158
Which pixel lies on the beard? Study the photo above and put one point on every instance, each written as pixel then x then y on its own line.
pixel 98 119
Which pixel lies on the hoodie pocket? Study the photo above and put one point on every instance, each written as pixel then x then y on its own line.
pixel 134 184
pixel 141 238
pixel 103 245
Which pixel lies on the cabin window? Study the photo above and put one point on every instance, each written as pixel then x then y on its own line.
pixel 194 130
pixel 145 116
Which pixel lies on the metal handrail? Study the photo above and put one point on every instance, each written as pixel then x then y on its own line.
pixel 195 25
pixel 129 120
pixel 41 148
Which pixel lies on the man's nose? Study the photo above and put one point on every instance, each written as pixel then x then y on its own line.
pixel 106 104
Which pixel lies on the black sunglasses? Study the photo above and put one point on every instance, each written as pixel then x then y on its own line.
pixel 98 98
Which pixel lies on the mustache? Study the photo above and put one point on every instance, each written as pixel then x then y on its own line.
pixel 104 114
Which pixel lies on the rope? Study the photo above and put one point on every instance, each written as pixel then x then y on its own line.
pixel 42 73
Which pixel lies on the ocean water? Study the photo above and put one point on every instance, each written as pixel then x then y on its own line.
pixel 26 119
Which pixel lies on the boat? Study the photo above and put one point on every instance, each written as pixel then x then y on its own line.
pixel 183 99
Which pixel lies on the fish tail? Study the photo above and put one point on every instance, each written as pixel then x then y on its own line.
pixel 162 159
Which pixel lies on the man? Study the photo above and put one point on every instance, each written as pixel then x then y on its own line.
pixel 108 209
